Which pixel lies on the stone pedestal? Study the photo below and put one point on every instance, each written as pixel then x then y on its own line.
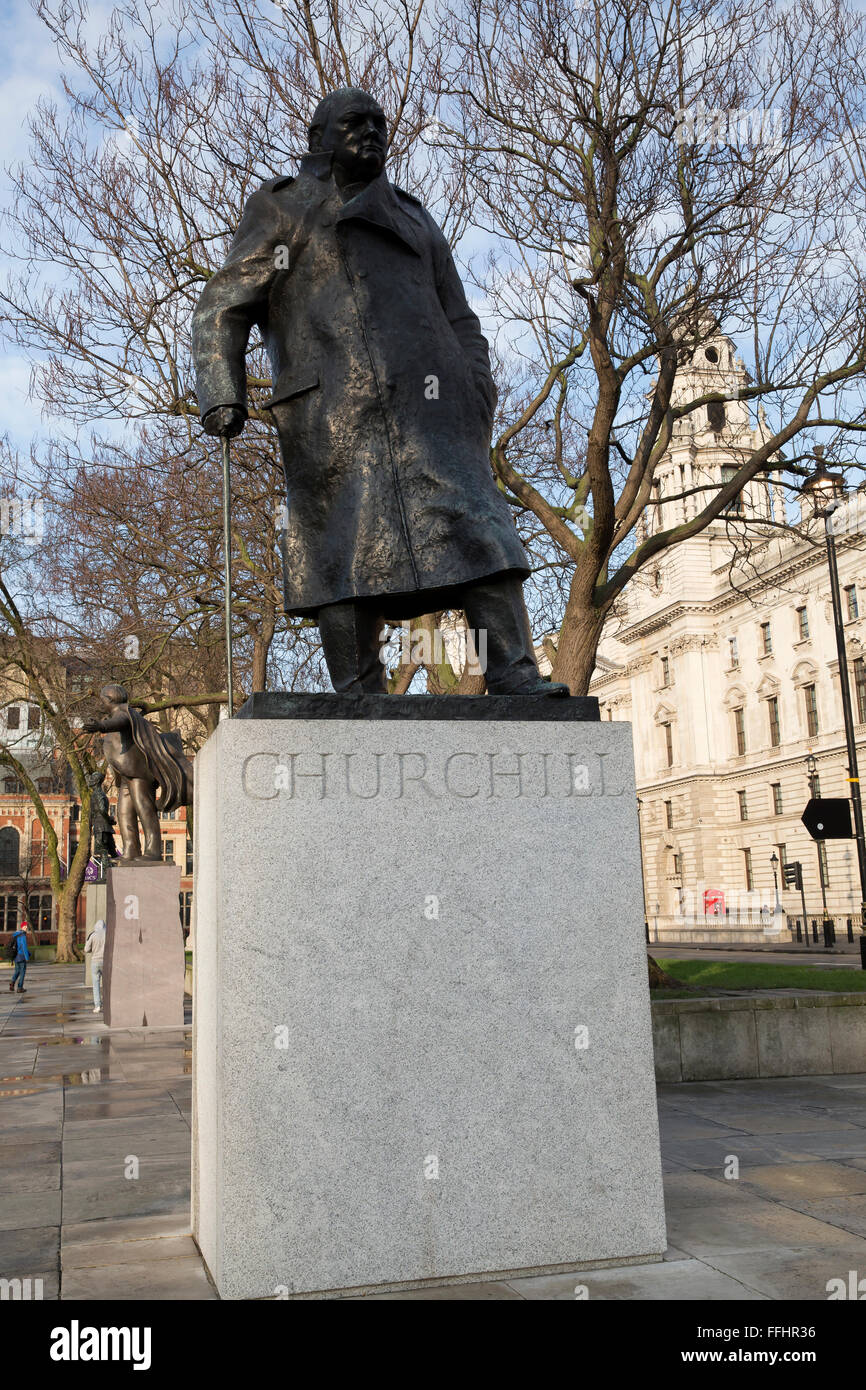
pixel 422 1044
pixel 144 959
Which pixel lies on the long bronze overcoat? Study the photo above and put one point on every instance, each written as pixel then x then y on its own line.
pixel 382 392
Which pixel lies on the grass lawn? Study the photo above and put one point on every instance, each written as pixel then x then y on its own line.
pixel 720 974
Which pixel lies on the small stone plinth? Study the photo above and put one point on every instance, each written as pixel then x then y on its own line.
pixel 144 955
pixel 422 1044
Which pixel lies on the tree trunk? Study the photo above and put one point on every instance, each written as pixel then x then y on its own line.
pixel 578 643
pixel 67 898
pixel 659 979
pixel 66 912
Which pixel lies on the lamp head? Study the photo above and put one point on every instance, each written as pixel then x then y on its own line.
pixel 825 489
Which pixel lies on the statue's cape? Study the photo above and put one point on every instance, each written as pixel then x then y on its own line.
pixel 170 769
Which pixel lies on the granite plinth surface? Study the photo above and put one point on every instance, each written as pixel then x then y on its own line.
pixel 144 961
pixel 422 1043
pixel 277 704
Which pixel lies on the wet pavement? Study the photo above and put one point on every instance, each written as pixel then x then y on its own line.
pixel 765 1180
pixel 94 1148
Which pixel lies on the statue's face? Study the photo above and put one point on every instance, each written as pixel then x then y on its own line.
pixel 356 134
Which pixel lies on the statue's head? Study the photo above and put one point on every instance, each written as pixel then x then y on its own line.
pixel 95 779
pixel 111 695
pixel 351 126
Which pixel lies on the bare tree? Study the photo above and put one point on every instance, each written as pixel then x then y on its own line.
pixel 648 173
pixel 637 173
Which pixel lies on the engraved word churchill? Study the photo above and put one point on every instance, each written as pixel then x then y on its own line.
pixel 463 775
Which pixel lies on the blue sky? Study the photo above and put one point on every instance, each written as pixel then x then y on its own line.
pixel 30 70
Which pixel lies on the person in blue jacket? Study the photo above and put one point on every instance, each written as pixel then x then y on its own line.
pixel 22 956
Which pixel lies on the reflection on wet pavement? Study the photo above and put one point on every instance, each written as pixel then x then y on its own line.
pixel 63 1076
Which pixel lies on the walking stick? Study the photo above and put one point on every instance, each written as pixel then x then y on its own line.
pixel 227 550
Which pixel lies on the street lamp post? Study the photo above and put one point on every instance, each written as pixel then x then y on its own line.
pixel 774 860
pixel 826 490
pixel 826 923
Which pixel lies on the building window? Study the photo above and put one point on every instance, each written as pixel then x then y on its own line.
pixel 9 912
pixel 851 597
pixel 12 787
pixel 766 640
pixel 742 805
pixel 185 904
pixel 776 789
pixel 782 851
pixel 822 863
pixel 39 911
pixel 168 849
pixel 775 731
pixel 10 850
pixel 38 856
pixel 678 865
pixel 811 699
pixel 734 651
pixel 188 868
pixel 669 745
pixel 735 506
pixel 34 718
pixel 740 730
pixel 747 864
pixel 803 624
pixel 860 688
pixel 666 670
pixel 669 815
pixel 13 717
pixel 815 786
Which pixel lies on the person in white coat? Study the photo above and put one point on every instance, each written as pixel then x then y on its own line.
pixel 95 944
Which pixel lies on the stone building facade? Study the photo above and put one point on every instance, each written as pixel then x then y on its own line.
pixel 723 657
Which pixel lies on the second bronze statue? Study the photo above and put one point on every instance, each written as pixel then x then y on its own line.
pixel 150 770
pixel 383 399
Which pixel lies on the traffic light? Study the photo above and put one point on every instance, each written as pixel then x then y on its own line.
pixel 793 875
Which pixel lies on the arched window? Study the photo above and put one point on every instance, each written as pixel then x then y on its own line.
pixel 9 850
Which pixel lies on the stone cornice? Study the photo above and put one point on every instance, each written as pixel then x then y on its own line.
pixel 805 558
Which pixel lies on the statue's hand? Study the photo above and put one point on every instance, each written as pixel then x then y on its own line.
pixel 92 726
pixel 227 420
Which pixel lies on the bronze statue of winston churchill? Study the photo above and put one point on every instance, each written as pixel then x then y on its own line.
pixel 383 398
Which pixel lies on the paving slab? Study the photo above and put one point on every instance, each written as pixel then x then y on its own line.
pixel 751 1224
pixel 96 1254
pixel 803 1181
pixel 29 1250
pixel 122 1229
pixel 790 1273
pixel 182 1278
pixel 92 1201
pixel 685 1280
pixel 849 1212
pixel 31 1177
pixel 20 1210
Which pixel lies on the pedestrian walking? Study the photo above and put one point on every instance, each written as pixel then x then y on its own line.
pixel 21 957
pixel 95 944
